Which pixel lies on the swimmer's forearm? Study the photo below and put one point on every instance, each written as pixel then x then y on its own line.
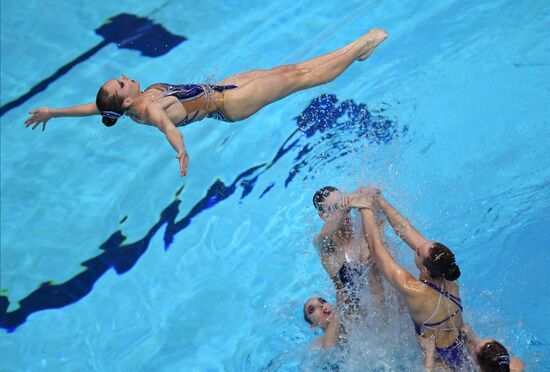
pixel 429 357
pixel 396 219
pixel 175 138
pixel 402 226
pixel 470 337
pixel 74 111
pixel 372 234
pixel 332 333
pixel 394 273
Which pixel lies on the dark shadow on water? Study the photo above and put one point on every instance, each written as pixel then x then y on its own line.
pixel 126 31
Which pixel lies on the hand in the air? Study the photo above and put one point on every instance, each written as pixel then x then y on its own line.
pixel 427 343
pixel 368 191
pixel 40 115
pixel 358 200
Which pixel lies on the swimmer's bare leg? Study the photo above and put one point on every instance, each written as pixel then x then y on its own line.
pixel 370 41
pixel 245 77
pixel 249 98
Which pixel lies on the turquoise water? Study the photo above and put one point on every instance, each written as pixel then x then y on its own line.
pixel 456 134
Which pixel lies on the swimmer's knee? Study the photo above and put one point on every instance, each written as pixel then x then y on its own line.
pixel 305 77
pixel 281 69
pixel 301 72
pixel 313 77
pixel 322 77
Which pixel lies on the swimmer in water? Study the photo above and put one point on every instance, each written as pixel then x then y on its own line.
pixel 346 260
pixel 344 251
pixel 433 300
pixel 489 354
pixel 319 313
pixel 235 98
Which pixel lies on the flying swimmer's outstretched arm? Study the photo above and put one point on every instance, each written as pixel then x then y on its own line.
pixel 43 114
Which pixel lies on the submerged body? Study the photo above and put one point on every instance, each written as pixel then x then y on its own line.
pixel 489 354
pixel 344 251
pixel 433 300
pixel 346 259
pixel 454 354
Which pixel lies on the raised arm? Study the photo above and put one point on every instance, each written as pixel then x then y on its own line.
pixel 155 115
pixel 427 345
pixel 323 239
pixel 43 114
pixel 470 338
pixel 332 333
pixel 402 227
pixel 395 274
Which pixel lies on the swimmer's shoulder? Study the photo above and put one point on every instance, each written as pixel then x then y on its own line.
pixel 156 86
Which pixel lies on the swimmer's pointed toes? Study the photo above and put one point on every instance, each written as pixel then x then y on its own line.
pixel 378 33
pixel 371 40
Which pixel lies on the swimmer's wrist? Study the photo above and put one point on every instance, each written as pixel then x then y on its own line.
pixel 59 113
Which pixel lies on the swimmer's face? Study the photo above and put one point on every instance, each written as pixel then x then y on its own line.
pixel 123 87
pixel 318 311
pixel 331 205
pixel 421 254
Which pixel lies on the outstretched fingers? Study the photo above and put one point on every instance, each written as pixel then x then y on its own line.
pixel 38 116
pixel 35 120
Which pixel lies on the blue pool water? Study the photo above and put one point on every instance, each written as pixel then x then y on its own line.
pixel 112 262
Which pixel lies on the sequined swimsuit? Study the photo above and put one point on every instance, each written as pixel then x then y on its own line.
pixel 190 92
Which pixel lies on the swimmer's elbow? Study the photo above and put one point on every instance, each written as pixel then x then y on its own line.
pixel 168 128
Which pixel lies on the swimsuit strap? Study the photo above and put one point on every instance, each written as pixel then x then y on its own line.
pixel 435 311
pixel 451 297
pixel 445 293
pixel 432 325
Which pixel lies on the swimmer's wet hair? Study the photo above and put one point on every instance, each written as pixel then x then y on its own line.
pixel 441 263
pixel 111 103
pixel 493 356
pixel 306 318
pixel 320 195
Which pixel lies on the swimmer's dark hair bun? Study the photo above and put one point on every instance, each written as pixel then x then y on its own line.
pixel 441 263
pixel 452 273
pixel 108 122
